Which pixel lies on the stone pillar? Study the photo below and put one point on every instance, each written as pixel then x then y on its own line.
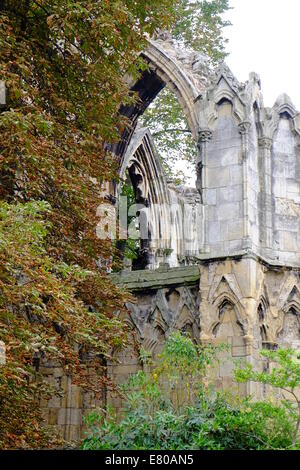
pixel 266 219
pixel 205 136
pixel 244 128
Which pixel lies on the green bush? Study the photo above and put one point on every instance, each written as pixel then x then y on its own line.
pixel 283 374
pixel 170 406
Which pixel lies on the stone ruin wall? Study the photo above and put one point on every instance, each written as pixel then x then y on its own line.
pixel 238 301
pixel 228 268
pixel 65 410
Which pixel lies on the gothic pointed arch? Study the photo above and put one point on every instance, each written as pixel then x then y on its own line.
pixel 155 332
pixel 225 89
pixel 289 291
pixel 186 317
pixel 130 318
pixel 167 66
pixel 262 310
pixel 229 319
pixel 263 318
pixel 289 329
pixel 293 300
pixel 225 283
pixel 229 323
pixel 150 189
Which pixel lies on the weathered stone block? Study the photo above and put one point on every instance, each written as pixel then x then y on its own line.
pixel 210 197
pixel 75 398
pixel 54 402
pixel 239 351
pixel 230 194
pixel 229 211
pixel 217 177
pixel 53 415
pixel 214 232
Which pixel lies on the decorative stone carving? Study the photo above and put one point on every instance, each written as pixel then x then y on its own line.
pixel 244 127
pixel 205 135
pixel 224 71
pixel 265 142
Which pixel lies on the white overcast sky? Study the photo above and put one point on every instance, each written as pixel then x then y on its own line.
pixel 265 38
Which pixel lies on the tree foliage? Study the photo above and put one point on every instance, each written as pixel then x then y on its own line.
pixel 62 63
pixel 283 373
pixel 199 26
pixel 172 136
pixel 127 248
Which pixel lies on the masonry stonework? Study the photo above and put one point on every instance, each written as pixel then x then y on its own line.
pixel 224 258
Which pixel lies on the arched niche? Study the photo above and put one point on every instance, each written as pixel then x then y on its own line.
pixel 228 325
pixel 261 320
pixel 290 331
pixel 151 195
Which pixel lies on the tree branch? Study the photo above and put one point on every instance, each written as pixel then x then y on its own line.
pixel 175 129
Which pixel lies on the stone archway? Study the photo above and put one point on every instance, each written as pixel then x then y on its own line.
pixel 187 73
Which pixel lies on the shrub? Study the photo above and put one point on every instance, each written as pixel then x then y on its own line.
pixel 157 416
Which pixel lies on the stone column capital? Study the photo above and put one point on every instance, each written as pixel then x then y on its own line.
pixel 244 127
pixel 265 142
pixel 204 135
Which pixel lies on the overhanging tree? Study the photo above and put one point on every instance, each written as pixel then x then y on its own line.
pixel 199 26
pixel 62 63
